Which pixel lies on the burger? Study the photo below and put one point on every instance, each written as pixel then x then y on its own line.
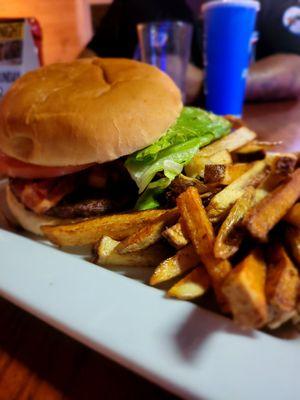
pixel 96 136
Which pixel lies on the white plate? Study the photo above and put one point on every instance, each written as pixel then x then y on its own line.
pixel 185 349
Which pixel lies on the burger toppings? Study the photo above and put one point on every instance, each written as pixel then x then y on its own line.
pixel 97 190
pixel 193 129
pixel 91 190
pixel 14 168
pixel 41 195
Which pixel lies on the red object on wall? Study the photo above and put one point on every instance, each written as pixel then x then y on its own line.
pixel 37 34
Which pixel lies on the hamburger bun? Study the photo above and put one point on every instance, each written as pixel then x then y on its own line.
pixel 89 110
pixel 28 219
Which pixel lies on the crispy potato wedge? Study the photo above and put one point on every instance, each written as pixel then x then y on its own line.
pixel 231 142
pixel 109 257
pixel 224 174
pixel 230 236
pixel 106 246
pixel 147 235
pixel 200 231
pixel 292 240
pixel 117 226
pixel 268 212
pixel 252 151
pixel 282 286
pixel 192 286
pixel 244 289
pixel 184 260
pixel 293 216
pixel 175 236
pixel 223 201
pixel 282 163
pixel 196 167
pixel 143 238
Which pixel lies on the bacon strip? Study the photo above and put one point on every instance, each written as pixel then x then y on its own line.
pixel 40 196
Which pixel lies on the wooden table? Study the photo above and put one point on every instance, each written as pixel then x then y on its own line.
pixel 40 363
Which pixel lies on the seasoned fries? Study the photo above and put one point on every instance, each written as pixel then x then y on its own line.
pixel 267 213
pixel 244 289
pixel 192 286
pixel 228 200
pixel 175 236
pixel 293 216
pixel 147 235
pixel 223 201
pixel 184 260
pixel 281 287
pixel 282 163
pixel 118 226
pixel 230 236
pixel 197 166
pixel 108 255
pixel 234 141
pixel 201 233
pixel 252 151
pixel 224 174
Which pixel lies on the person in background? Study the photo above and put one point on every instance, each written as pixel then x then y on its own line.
pixel 274 76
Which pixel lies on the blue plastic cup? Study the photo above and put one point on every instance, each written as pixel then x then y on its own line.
pixel 228 32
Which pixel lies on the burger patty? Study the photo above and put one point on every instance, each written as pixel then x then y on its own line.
pixel 83 209
pixel 99 190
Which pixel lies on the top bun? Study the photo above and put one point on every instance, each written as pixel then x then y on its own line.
pixel 89 110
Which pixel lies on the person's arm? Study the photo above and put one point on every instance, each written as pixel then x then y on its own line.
pixel 194 81
pixel 275 77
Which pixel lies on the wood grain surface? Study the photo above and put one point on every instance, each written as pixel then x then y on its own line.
pixel 40 363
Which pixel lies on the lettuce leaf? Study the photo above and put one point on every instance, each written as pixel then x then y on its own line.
pixel 193 129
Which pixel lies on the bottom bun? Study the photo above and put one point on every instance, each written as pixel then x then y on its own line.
pixel 27 219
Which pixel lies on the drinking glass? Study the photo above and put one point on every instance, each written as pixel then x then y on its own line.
pixel 167 45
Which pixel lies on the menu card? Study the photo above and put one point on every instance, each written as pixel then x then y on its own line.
pixel 20 49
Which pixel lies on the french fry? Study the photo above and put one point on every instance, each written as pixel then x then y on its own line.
pixel 117 226
pixel 196 167
pixel 147 235
pixel 201 233
pixel 282 163
pixel 223 201
pixel 224 174
pixel 175 236
pixel 106 246
pixel 268 212
pixel 282 286
pixel 252 151
pixel 232 142
pixel 143 238
pixel 184 260
pixel 230 236
pixel 293 216
pixel 292 240
pixel 244 289
pixel 192 286
pixel 108 256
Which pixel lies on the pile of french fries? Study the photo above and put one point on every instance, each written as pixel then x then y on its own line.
pixel 243 248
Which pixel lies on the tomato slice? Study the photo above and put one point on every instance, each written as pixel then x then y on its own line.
pixel 14 168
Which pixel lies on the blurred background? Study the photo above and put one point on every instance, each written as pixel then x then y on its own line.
pixel 57 19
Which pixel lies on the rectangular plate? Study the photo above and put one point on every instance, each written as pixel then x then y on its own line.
pixel 177 345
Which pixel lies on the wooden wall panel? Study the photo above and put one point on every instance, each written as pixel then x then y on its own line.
pixel 66 24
